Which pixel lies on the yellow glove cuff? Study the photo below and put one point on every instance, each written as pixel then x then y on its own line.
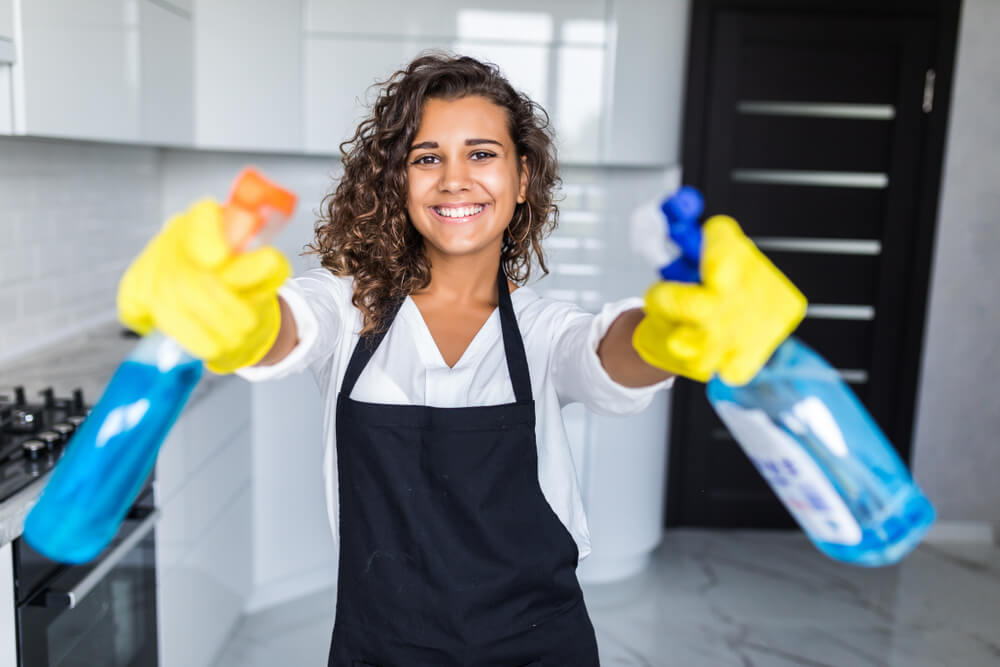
pixel 253 350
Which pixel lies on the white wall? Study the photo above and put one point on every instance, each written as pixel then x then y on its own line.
pixel 956 458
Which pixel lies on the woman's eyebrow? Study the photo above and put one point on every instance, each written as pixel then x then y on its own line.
pixel 468 142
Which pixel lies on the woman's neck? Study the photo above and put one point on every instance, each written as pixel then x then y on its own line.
pixel 463 280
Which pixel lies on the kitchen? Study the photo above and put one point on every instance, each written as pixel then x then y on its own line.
pixel 118 114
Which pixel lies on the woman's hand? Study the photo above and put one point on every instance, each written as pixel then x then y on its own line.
pixel 731 323
pixel 221 307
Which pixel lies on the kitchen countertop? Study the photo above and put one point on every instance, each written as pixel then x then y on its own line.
pixel 86 361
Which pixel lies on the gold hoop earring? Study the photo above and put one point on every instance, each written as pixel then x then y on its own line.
pixel 527 229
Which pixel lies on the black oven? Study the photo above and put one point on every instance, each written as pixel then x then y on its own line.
pixel 100 613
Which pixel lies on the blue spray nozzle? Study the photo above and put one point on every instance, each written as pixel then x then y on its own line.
pixel 685 206
pixel 682 211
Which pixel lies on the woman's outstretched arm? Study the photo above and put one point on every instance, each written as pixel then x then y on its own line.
pixel 620 359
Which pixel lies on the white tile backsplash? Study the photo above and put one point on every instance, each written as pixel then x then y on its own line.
pixel 72 215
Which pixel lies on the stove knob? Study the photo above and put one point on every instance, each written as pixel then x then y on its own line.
pixel 78 401
pixel 64 430
pixel 50 438
pixel 33 449
pixel 49 396
pixel 76 421
pixel 24 420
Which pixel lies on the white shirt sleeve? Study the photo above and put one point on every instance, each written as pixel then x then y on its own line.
pixel 319 303
pixel 577 371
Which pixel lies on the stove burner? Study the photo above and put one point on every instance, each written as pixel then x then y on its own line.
pixel 34 435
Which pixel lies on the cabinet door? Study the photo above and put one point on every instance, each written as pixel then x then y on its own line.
pixel 6 100
pixel 166 108
pixel 8 638
pixel 248 92
pixel 567 79
pixel 337 78
pixel 646 100
pixel 558 56
pixel 336 95
pixel 6 58
pixel 79 73
pixel 6 31
pixel 497 20
pixel 204 539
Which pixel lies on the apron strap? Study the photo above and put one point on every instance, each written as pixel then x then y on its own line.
pixel 517 361
pixel 513 345
pixel 364 349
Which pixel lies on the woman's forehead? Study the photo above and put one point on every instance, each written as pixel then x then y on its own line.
pixel 461 119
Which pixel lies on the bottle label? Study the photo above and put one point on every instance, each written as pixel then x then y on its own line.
pixel 793 474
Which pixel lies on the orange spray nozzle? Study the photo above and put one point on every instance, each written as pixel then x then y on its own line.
pixel 256 206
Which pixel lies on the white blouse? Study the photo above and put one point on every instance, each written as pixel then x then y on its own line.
pixel 560 342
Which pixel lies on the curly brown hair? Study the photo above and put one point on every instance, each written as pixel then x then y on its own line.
pixel 365 231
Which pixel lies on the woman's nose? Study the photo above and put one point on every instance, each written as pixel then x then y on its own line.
pixel 455 176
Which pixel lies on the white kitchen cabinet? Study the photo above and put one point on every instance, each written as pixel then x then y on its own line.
pixel 6 31
pixel 336 95
pixel 566 79
pixel 8 611
pixel 166 62
pixel 248 75
pixel 7 57
pixel 645 101
pixel 6 100
pixel 337 76
pixel 203 540
pixel 556 55
pixel 78 74
pixel 495 20
pixel 609 73
pixel 114 70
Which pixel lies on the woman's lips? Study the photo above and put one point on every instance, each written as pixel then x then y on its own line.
pixel 451 220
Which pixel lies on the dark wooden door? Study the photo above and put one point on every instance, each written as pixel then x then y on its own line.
pixel 817 127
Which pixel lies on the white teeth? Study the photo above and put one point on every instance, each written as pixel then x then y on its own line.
pixel 462 212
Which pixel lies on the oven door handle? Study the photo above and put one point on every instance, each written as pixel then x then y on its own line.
pixel 56 599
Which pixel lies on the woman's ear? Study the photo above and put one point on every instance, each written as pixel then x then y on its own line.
pixel 522 194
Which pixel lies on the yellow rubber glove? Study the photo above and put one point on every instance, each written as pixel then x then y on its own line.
pixel 219 306
pixel 731 323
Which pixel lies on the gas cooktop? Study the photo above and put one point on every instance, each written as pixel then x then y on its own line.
pixel 33 435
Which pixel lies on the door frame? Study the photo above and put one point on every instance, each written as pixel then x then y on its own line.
pixel 945 14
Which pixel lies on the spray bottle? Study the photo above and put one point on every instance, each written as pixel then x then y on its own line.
pixel 802 427
pixel 111 455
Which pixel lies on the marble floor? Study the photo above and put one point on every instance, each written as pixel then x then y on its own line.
pixel 746 599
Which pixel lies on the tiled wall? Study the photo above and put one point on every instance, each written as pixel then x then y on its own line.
pixel 72 214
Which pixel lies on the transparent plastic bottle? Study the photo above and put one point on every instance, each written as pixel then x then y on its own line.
pixel 109 458
pixel 803 428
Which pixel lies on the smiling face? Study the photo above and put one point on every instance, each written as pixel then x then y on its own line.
pixel 463 177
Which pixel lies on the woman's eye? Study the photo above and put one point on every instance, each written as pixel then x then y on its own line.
pixel 482 155
pixel 425 159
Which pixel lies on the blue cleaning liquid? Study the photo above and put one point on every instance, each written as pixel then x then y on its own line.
pixel 825 458
pixel 112 453
pixel 806 432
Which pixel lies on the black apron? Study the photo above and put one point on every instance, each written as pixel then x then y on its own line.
pixel 449 553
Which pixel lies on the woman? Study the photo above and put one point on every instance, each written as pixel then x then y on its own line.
pixel 450 486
